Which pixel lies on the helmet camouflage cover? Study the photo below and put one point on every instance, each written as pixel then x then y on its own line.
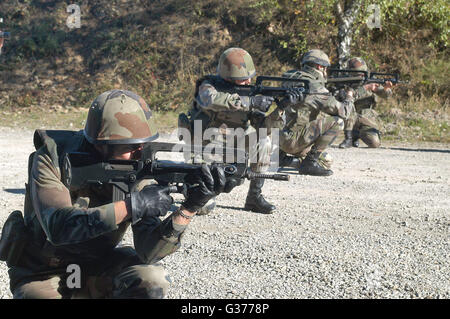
pixel 236 64
pixel 119 117
pixel 316 56
pixel 357 63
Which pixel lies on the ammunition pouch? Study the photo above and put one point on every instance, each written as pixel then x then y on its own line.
pixel 14 238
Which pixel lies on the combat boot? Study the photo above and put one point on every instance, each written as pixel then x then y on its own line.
pixel 348 139
pixel 288 161
pixel 355 138
pixel 311 166
pixel 255 201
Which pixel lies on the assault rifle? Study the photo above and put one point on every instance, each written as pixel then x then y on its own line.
pixel 256 116
pixel 82 169
pixel 275 91
pixel 355 78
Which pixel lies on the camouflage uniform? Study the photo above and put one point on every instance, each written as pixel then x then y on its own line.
pixel 302 129
pixel 217 105
pixel 66 227
pixel 223 109
pixel 303 132
pixel 363 121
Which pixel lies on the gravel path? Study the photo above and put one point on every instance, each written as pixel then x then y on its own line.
pixel 378 228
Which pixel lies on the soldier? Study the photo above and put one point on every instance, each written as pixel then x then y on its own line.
pixel 305 135
pixel 219 105
pixel 362 123
pixel 83 228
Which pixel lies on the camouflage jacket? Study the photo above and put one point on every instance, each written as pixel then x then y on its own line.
pixel 218 99
pixel 367 99
pixel 67 227
pixel 314 104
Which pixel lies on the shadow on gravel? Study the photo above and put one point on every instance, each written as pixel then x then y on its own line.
pixel 236 208
pixel 15 190
pixel 431 150
pixel 288 170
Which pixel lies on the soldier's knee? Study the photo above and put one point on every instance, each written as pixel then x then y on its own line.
pixel 142 281
pixel 374 144
pixel 371 138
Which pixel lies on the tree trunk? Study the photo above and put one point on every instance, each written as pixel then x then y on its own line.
pixel 346 19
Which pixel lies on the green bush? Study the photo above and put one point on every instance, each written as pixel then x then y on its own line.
pixel 43 40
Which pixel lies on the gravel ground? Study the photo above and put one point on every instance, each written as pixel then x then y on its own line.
pixel 378 228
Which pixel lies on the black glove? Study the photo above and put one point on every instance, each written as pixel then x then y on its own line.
pixel 205 184
pixel 232 183
pixel 261 102
pixel 152 200
pixel 292 96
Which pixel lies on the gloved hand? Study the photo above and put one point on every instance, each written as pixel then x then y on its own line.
pixel 206 183
pixel 232 183
pixel 152 200
pixel 293 96
pixel 261 102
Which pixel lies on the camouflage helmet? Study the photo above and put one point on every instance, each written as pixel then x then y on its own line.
pixel 236 64
pixel 316 56
pixel 357 63
pixel 119 117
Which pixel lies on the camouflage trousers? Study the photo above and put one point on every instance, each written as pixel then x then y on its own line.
pixel 366 123
pixel 121 275
pixel 319 133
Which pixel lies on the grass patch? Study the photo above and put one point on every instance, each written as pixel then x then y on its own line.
pixel 417 119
